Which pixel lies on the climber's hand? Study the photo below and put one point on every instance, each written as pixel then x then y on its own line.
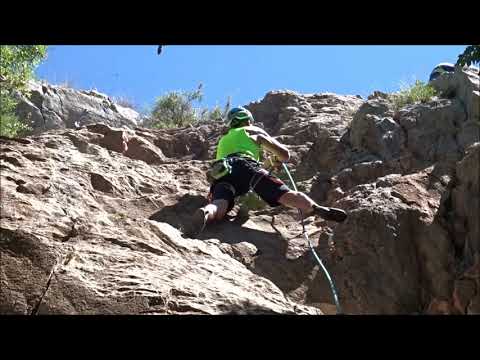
pixel 272 163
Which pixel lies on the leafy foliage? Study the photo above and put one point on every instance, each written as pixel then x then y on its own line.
pixel 17 66
pixel 471 55
pixel 10 125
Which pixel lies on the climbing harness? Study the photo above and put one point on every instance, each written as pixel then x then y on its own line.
pixel 304 233
pixel 219 169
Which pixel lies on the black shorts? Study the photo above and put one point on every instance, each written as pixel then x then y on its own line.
pixel 247 174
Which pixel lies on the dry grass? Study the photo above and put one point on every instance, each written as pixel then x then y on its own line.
pixel 419 92
pixel 125 102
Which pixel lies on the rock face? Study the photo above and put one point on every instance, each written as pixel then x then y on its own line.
pixel 55 107
pixel 462 84
pixel 76 237
pixel 91 218
pixel 462 210
pixel 306 123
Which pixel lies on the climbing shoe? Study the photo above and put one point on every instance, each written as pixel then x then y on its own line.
pixel 196 223
pixel 331 214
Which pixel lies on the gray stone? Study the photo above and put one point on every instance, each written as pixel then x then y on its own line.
pixel 55 107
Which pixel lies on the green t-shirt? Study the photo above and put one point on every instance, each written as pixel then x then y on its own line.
pixel 237 141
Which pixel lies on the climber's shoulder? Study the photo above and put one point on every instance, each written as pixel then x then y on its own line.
pixel 255 130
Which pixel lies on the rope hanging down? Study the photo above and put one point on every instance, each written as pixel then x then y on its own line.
pixel 330 281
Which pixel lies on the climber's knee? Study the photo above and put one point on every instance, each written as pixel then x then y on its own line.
pixel 296 199
pixel 222 207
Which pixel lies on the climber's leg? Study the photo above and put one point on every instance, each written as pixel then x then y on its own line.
pixel 221 197
pixel 216 210
pixel 307 206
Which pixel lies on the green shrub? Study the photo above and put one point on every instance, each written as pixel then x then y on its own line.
pixel 10 125
pixel 17 66
pixel 176 109
pixel 412 94
pixel 471 55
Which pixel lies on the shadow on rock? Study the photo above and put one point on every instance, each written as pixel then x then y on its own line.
pixel 271 260
pixel 177 214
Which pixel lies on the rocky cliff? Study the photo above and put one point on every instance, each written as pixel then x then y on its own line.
pixel 89 227
pixel 49 107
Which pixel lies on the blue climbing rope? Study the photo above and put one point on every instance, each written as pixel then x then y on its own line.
pixel 304 232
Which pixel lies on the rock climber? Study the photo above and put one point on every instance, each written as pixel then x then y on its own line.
pixel 237 170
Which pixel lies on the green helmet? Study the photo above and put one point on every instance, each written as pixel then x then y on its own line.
pixel 237 115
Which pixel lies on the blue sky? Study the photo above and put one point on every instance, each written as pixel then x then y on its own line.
pixel 245 73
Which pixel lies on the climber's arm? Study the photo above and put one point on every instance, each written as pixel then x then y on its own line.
pixel 273 146
pixel 268 143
